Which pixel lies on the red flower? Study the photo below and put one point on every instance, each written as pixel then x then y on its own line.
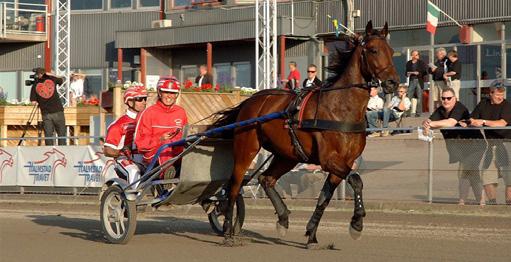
pixel 188 84
pixel 217 87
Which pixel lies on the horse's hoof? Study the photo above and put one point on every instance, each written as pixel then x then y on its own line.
pixel 312 246
pixel 355 234
pixel 232 242
pixel 281 230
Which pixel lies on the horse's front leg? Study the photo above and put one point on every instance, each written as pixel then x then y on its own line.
pixel 325 195
pixel 357 221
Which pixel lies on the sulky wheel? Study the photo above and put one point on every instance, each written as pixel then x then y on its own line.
pixel 216 217
pixel 118 216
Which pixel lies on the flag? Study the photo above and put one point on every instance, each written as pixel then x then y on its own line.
pixel 433 14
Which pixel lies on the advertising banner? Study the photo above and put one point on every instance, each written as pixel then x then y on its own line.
pixel 8 166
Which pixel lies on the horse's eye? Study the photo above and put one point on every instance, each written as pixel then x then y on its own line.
pixel 373 51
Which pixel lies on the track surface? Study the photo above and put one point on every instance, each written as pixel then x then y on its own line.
pixel 71 232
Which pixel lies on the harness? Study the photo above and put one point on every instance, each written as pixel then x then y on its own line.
pixel 295 110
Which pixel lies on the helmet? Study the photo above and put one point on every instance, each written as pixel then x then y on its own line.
pixel 169 84
pixel 134 91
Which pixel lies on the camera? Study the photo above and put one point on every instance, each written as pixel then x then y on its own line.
pixel 34 76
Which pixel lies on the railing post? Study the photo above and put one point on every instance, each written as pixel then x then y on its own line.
pixel 430 172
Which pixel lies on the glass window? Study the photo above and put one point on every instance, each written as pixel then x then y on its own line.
pixel 188 72
pixel 147 3
pixel 223 74
pixel 9 86
pixel 243 74
pixel 400 60
pixel 490 61
pixel 93 81
pixel 86 4
pixel 446 35
pixel 182 3
pixel 24 95
pixel 120 3
pixel 409 38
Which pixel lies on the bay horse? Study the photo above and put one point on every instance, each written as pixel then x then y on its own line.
pixel 340 107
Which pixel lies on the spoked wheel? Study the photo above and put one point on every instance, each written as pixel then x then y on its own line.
pixel 217 216
pixel 118 216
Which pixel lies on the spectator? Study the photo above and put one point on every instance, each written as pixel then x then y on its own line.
pixel 494 112
pixel 391 112
pixel 293 79
pixel 437 70
pixel 161 123
pixel 453 74
pixel 312 80
pixel 468 152
pixel 119 137
pixel 374 107
pixel 416 69
pixel 204 77
pixel 44 94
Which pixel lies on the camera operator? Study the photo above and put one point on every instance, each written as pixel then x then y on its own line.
pixel 44 94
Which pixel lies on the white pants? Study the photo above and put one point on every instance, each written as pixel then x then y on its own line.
pixel 129 169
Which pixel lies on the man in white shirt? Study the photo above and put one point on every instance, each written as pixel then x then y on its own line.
pixel 394 110
pixel 374 106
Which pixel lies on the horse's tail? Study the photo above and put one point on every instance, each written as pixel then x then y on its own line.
pixel 225 117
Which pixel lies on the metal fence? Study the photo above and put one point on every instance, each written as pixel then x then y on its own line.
pixel 402 168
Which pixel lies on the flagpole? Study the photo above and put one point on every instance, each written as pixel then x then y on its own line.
pixel 431 104
pixel 448 16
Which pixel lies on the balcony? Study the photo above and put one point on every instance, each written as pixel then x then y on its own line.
pixel 23 22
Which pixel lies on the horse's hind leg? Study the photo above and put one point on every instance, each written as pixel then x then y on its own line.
pixel 245 147
pixel 357 221
pixel 326 194
pixel 267 180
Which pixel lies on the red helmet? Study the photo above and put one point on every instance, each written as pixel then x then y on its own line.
pixel 134 91
pixel 169 84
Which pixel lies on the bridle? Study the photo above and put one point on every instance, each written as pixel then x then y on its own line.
pixel 374 76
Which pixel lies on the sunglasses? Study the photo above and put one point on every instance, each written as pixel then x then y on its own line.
pixel 140 99
pixel 311 71
pixel 448 98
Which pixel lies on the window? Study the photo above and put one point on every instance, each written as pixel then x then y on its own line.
pixel 94 79
pixel 86 4
pixel 223 74
pixel 490 60
pixel 243 74
pixel 24 95
pixel 120 4
pixel 148 3
pixel 181 3
pixel 9 86
pixel 189 72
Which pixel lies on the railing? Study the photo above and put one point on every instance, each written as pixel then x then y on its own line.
pixel 22 19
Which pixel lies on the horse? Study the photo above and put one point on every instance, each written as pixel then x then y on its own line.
pixel 334 142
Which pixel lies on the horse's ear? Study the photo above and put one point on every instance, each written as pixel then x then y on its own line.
pixel 369 27
pixel 385 31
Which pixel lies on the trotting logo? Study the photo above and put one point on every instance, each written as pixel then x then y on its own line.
pixel 91 172
pixel 5 160
pixel 44 169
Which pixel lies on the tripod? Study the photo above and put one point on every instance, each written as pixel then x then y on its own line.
pixel 30 118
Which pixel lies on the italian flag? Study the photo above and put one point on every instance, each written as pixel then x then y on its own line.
pixel 433 14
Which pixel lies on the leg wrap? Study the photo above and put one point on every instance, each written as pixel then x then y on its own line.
pixel 324 198
pixel 279 205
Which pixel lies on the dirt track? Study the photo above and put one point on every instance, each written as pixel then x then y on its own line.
pixel 44 231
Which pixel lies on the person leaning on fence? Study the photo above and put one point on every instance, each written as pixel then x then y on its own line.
pixel 160 124
pixel 374 106
pixel 391 112
pixel 119 136
pixel 453 74
pixel 463 146
pixel 44 94
pixel 416 69
pixel 495 112
pixel 437 70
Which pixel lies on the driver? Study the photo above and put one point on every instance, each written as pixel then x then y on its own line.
pixel 119 137
pixel 161 123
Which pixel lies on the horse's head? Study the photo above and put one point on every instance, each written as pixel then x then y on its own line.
pixel 377 64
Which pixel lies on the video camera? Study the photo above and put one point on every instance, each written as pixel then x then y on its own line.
pixel 33 76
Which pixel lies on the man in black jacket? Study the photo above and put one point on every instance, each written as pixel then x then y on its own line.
pixel 204 78
pixel 416 69
pixel 438 69
pixel 312 80
pixel 44 94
